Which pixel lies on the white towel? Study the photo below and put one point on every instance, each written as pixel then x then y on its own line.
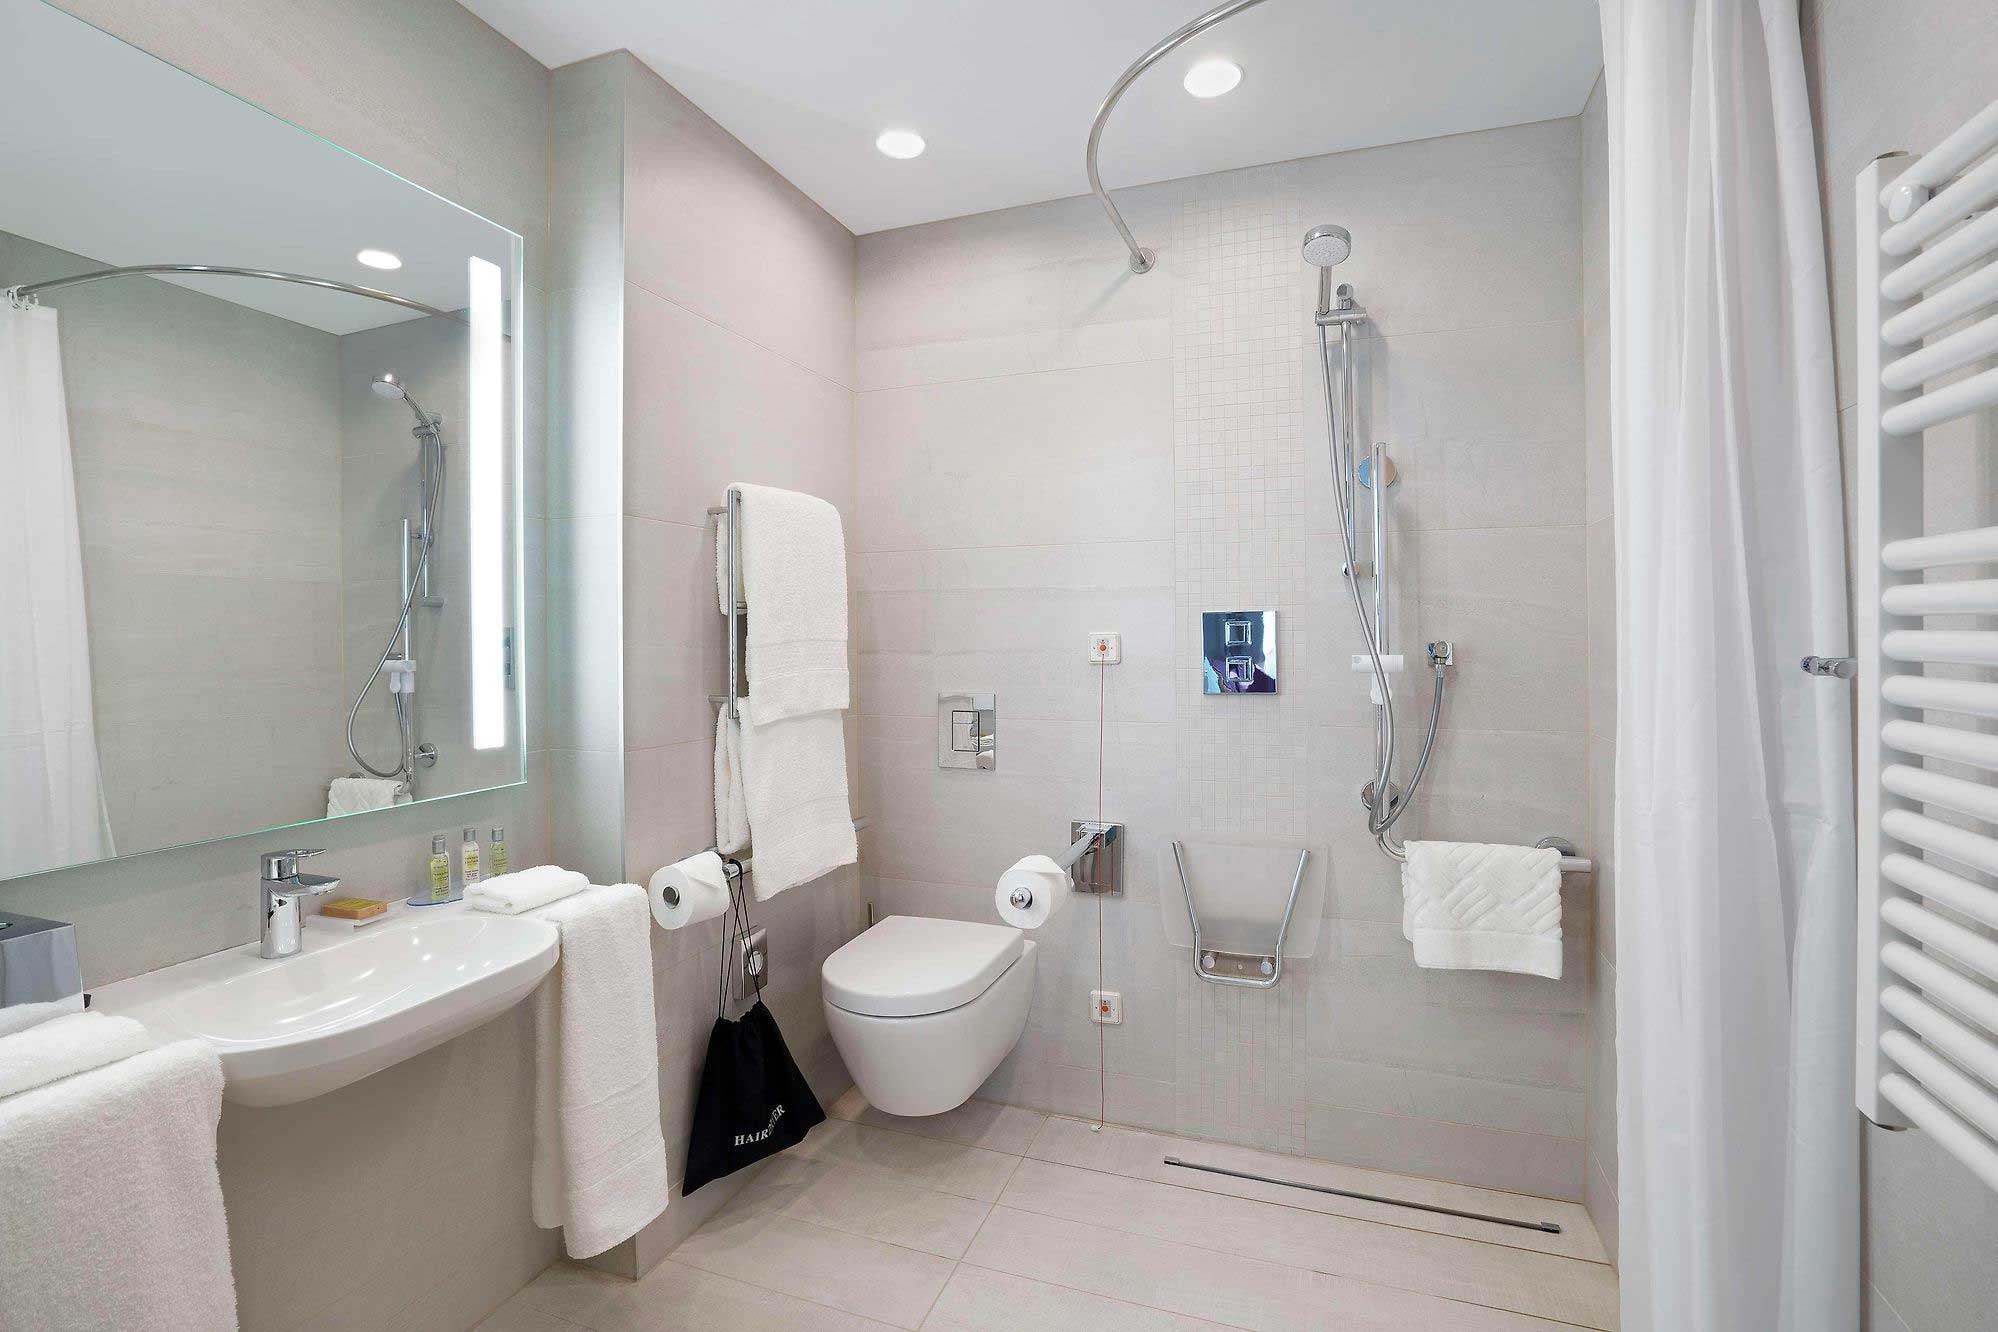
pixel 110 1206
pixel 65 1046
pixel 1474 905
pixel 20 1017
pixel 525 890
pixel 731 805
pixel 357 795
pixel 599 1157
pixel 794 787
pixel 794 583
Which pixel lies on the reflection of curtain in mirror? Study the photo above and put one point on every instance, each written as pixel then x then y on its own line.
pixel 51 790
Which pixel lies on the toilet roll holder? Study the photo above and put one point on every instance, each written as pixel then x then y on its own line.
pixel 1094 862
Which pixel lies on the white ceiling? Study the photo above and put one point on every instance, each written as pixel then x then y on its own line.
pixel 109 153
pixel 1004 90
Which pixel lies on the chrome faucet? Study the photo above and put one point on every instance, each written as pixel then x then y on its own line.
pixel 279 894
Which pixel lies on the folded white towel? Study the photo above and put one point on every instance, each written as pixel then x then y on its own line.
pixel 794 786
pixel 599 1168
pixel 65 1046
pixel 525 890
pixel 110 1206
pixel 1492 908
pixel 794 583
pixel 357 795
pixel 20 1017
pixel 731 805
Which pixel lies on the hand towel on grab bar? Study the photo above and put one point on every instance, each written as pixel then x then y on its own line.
pixel 1492 908
pixel 792 553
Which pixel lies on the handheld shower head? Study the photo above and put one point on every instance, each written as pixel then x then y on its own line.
pixel 1327 245
pixel 388 384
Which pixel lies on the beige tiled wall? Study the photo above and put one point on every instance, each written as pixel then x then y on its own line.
pixel 1886 78
pixel 1049 445
pixel 401 1201
pixel 706 330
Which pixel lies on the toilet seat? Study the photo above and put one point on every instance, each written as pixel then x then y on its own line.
pixel 909 966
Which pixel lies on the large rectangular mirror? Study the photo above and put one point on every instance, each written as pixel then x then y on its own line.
pixel 259 467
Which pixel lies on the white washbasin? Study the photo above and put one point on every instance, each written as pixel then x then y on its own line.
pixel 348 1004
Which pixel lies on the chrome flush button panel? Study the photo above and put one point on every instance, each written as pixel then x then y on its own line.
pixel 1238 652
pixel 967 731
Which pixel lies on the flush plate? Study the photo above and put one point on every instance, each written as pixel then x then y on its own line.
pixel 968 731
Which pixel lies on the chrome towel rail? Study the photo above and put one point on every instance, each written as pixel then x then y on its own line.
pixel 730 530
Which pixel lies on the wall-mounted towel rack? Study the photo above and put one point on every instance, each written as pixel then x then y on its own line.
pixel 729 528
pixel 1928 983
pixel 1206 960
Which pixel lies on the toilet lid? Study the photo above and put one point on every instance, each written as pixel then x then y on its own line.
pixel 910 965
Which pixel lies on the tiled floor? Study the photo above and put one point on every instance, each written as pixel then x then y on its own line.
pixel 994 1218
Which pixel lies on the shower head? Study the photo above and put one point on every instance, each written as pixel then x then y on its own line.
pixel 1327 245
pixel 388 384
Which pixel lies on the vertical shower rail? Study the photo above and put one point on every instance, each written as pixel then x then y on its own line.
pixel 1927 977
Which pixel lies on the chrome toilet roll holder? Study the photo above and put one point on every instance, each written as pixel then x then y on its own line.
pixel 1094 862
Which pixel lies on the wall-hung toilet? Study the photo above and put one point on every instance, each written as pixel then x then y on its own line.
pixel 923 1010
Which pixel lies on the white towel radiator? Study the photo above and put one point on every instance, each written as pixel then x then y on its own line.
pixel 1928 959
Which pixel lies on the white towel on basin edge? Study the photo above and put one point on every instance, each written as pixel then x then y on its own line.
pixel 113 1208
pixel 599 1167
pixel 525 890
pixel 794 786
pixel 793 553
pixel 65 1046
pixel 1480 906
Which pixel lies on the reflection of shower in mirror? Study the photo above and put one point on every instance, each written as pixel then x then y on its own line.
pixel 398 656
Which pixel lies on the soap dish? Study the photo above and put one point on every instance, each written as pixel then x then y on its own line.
pixel 346 926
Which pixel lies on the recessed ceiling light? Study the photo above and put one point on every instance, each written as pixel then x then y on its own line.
pixel 379 259
pixel 1211 78
pixel 901 143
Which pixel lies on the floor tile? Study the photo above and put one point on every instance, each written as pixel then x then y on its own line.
pixel 520 1315
pixel 978 1300
pixel 999 1128
pixel 676 1298
pixel 861 1201
pixel 1179 1278
pixel 1341 1304
pixel 924 1163
pixel 1553 1287
pixel 1140 1155
pixel 852 1273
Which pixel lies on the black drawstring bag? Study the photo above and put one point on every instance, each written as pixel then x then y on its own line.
pixel 753 1100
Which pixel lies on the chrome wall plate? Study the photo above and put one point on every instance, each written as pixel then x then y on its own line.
pixel 1238 652
pixel 1100 870
pixel 752 962
pixel 968 731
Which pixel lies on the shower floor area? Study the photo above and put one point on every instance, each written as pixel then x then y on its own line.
pixel 993 1218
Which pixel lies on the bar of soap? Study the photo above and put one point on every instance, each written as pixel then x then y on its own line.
pixel 354 908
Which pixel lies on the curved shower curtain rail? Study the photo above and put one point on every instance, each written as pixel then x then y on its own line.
pixel 33 289
pixel 1142 259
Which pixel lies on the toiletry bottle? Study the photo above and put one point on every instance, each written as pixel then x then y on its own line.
pixel 468 859
pixel 496 854
pixel 440 870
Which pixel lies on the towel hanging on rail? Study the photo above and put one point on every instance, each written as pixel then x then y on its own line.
pixel 791 554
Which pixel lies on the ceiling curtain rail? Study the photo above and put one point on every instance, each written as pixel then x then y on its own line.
pixel 1142 259
pixel 29 291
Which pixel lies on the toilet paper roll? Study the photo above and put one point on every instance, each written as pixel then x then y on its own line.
pixel 689 891
pixel 1046 886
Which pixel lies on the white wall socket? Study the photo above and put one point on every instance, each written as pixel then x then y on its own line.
pixel 1106 646
pixel 1106 1007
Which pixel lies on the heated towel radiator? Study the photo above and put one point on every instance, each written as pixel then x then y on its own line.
pixel 1928 924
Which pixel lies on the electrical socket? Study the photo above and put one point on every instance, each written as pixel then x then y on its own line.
pixel 1106 1007
pixel 1106 646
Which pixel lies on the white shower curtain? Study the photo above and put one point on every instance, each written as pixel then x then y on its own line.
pixel 1738 1141
pixel 51 791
